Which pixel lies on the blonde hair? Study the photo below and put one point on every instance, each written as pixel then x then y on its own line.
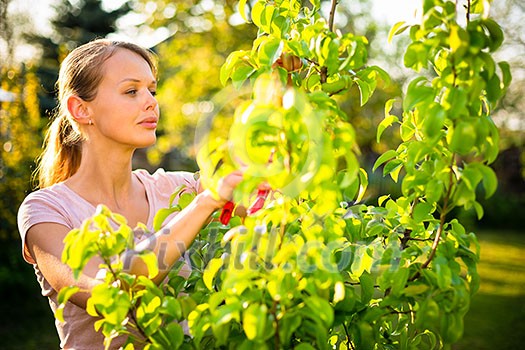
pixel 80 74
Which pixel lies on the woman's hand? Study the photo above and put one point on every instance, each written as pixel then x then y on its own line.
pixel 226 186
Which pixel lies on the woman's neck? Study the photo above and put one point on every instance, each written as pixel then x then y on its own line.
pixel 105 177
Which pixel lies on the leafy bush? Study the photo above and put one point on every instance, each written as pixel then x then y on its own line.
pixel 315 268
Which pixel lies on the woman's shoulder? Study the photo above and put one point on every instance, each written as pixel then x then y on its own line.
pixel 54 204
pixel 56 193
pixel 168 179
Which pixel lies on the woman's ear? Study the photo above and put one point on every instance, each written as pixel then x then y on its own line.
pixel 78 109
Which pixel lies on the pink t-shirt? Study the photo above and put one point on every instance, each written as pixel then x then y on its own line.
pixel 59 204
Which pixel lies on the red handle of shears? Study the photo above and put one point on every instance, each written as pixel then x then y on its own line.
pixel 226 213
pixel 227 210
pixel 259 202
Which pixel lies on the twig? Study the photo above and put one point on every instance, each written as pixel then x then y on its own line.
pixel 468 11
pixel 441 223
pixel 332 16
pixel 349 344
pixel 324 70
pixel 274 312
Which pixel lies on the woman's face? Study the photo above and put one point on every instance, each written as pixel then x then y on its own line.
pixel 125 109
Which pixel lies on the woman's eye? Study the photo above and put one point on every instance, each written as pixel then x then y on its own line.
pixel 153 92
pixel 131 92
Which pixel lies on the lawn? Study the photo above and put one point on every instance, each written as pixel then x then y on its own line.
pixel 496 319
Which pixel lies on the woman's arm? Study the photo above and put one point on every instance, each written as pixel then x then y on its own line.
pixel 45 242
pixel 170 242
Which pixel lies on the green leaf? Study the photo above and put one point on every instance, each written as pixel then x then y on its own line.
pixel 495 33
pixel 458 41
pixel 66 293
pixel 211 270
pixel 417 92
pixel 433 190
pixel 257 13
pixel 269 51
pixel 364 90
pixel 62 298
pixel 392 166
pixel 225 313
pixel 171 306
pixel 385 123
pixel 415 289
pixel 242 10
pixel 400 278
pixel 462 137
pixel 150 259
pixel 254 321
pixel 161 216
pixel 362 262
pixel 175 334
pixel 185 199
pixel 422 212
pixel 479 210
pixel 367 287
pixel 240 75
pixel 227 68
pixel 490 180
pixel 505 73
pixel 416 56
pixel 434 120
pixel 321 308
pixel 388 155
pixel 289 323
pixel 396 29
pixel 443 272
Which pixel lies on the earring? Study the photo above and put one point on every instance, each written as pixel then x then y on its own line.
pixel 90 122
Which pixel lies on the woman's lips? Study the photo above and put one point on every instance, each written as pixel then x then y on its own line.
pixel 150 123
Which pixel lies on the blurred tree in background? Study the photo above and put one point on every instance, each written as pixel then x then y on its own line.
pixel 20 140
pixel 20 124
pixel 74 24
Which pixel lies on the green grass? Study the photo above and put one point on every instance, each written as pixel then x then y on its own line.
pixel 496 319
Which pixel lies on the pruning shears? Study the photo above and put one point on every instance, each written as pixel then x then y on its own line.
pixel 227 210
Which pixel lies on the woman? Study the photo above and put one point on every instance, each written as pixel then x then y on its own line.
pixel 107 110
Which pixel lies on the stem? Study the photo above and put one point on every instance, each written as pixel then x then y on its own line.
pixel 324 74
pixel 468 10
pixel 276 338
pixel 441 222
pixel 131 312
pixel 405 239
pixel 332 16
pixel 324 70
pixel 349 344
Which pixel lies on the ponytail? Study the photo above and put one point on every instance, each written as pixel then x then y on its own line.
pixel 62 152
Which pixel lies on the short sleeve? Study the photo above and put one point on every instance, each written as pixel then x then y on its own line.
pixel 38 208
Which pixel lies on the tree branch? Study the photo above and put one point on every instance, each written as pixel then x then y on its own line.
pixel 324 70
pixel 442 219
pixel 332 16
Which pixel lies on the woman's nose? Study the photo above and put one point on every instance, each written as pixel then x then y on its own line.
pixel 151 101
